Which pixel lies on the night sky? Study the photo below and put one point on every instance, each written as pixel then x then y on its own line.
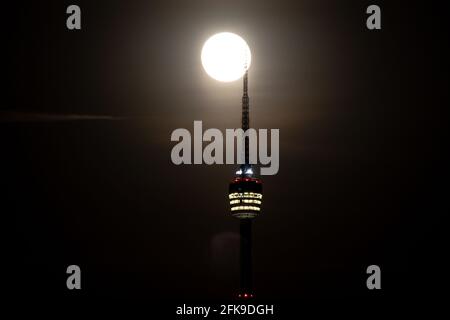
pixel 86 149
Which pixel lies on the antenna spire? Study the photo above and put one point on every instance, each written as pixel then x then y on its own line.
pixel 245 113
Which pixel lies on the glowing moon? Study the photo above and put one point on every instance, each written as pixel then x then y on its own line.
pixel 226 56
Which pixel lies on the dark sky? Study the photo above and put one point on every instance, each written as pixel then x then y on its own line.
pixel 87 144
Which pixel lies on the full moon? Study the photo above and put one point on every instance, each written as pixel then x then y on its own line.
pixel 226 56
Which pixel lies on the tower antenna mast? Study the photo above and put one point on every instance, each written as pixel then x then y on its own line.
pixel 245 113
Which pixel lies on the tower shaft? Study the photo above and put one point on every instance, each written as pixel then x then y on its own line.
pixel 246 255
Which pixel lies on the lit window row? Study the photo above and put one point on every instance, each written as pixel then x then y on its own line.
pixel 245 201
pixel 245 208
pixel 245 215
pixel 251 201
pixel 245 195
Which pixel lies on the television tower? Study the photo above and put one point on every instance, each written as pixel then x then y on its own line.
pixel 245 195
